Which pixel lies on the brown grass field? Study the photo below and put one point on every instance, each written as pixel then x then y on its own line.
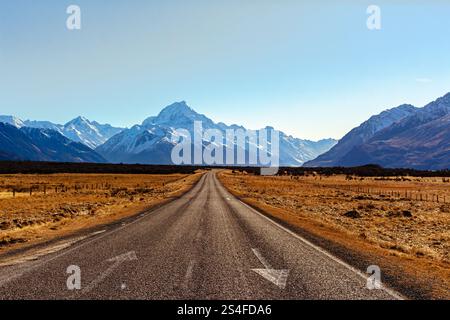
pixel 401 224
pixel 36 208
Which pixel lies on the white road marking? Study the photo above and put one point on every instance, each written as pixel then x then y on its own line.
pixel 45 251
pixel 42 252
pixel 389 291
pixel 33 257
pixel 97 232
pixel 118 260
pixel 189 273
pixel 277 277
pixel 7 278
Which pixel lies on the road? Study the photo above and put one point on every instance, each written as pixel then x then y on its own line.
pixel 206 244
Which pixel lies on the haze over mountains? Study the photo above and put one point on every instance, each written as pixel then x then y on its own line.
pixel 405 137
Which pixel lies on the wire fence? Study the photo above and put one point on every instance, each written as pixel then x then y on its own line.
pixel 400 195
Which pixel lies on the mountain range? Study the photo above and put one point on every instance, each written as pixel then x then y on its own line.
pixel 404 136
pixel 26 143
pixel 152 141
pixel 80 129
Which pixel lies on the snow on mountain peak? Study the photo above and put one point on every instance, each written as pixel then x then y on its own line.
pixel 152 141
pixel 80 129
pixel 90 133
pixel 178 114
pixel 80 120
pixel 440 106
pixel 12 120
pixel 177 107
pixel 175 110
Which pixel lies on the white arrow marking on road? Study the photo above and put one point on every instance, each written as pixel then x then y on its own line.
pixel 277 277
pixel 129 256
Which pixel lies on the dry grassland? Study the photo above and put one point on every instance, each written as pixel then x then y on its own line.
pixel 60 204
pixel 402 223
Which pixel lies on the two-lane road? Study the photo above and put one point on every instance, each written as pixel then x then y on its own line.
pixel 204 245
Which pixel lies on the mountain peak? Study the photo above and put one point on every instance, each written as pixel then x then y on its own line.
pixel 177 114
pixel 442 102
pixel 177 108
pixel 12 120
pixel 446 96
pixel 79 119
pixel 406 107
pixel 363 133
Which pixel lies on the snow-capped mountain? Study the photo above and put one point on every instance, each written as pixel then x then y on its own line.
pixel 416 138
pixel 80 129
pixel 303 150
pixel 361 134
pixel 43 125
pixel 35 144
pixel 90 133
pixel 14 121
pixel 152 141
pixel 178 115
pixel 419 141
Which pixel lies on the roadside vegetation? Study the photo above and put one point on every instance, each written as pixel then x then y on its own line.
pixel 400 223
pixel 36 207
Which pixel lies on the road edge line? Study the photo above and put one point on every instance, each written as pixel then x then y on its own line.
pixel 390 291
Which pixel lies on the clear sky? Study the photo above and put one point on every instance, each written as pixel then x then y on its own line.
pixel 309 68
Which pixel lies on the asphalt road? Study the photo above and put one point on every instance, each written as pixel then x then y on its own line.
pixel 204 245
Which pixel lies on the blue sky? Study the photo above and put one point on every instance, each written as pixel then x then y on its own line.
pixel 309 68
